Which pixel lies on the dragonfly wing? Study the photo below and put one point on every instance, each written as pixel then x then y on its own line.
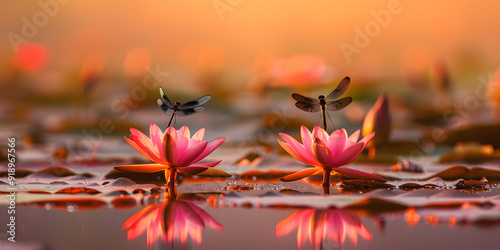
pixel 304 99
pixel 165 99
pixel 189 111
pixel 200 101
pixel 308 107
pixel 339 90
pixel 338 104
pixel 165 108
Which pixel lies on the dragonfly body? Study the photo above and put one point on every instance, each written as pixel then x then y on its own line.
pixel 322 103
pixel 180 109
pixel 176 106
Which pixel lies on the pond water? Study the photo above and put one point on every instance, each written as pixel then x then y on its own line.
pixel 243 229
pixel 69 202
pixel 233 214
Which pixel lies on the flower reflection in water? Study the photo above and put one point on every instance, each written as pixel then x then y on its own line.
pixel 319 225
pixel 170 220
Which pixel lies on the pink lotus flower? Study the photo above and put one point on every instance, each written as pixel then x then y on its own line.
pixel 326 153
pixel 321 224
pixel 173 219
pixel 174 150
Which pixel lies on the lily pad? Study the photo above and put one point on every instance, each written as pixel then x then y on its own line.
pixel 362 185
pixel 78 190
pixel 214 172
pixel 471 184
pixel 483 133
pixel 57 171
pixel 470 153
pixel 20 173
pixel 257 176
pixel 157 178
pixel 373 206
pixel 475 173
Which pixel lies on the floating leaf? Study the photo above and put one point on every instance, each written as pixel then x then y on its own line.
pixel 239 188
pixel 123 182
pixel 375 206
pixel 362 185
pixel 470 152
pixel 252 158
pixel 157 178
pixel 57 171
pixel 139 191
pixel 289 191
pixel 20 173
pixel 414 186
pixel 476 173
pixel 483 134
pixel 78 190
pixel 256 176
pixel 214 172
pixel 58 183
pixel 471 184
pixel 38 192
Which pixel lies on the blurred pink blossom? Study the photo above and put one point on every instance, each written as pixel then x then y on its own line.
pixel 297 69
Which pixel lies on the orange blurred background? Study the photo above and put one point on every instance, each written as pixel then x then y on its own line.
pixel 235 38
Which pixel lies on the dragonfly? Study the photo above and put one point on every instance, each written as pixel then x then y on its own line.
pixel 179 109
pixel 322 103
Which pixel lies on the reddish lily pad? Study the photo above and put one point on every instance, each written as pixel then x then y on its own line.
pixel 38 192
pixel 214 172
pixel 373 206
pixel 267 175
pixel 239 188
pixel 78 190
pixel 57 171
pixel 252 159
pixel 483 133
pixel 363 184
pixel 471 184
pixel 20 173
pixel 157 178
pixel 414 186
pixel 476 173
pixel 470 152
